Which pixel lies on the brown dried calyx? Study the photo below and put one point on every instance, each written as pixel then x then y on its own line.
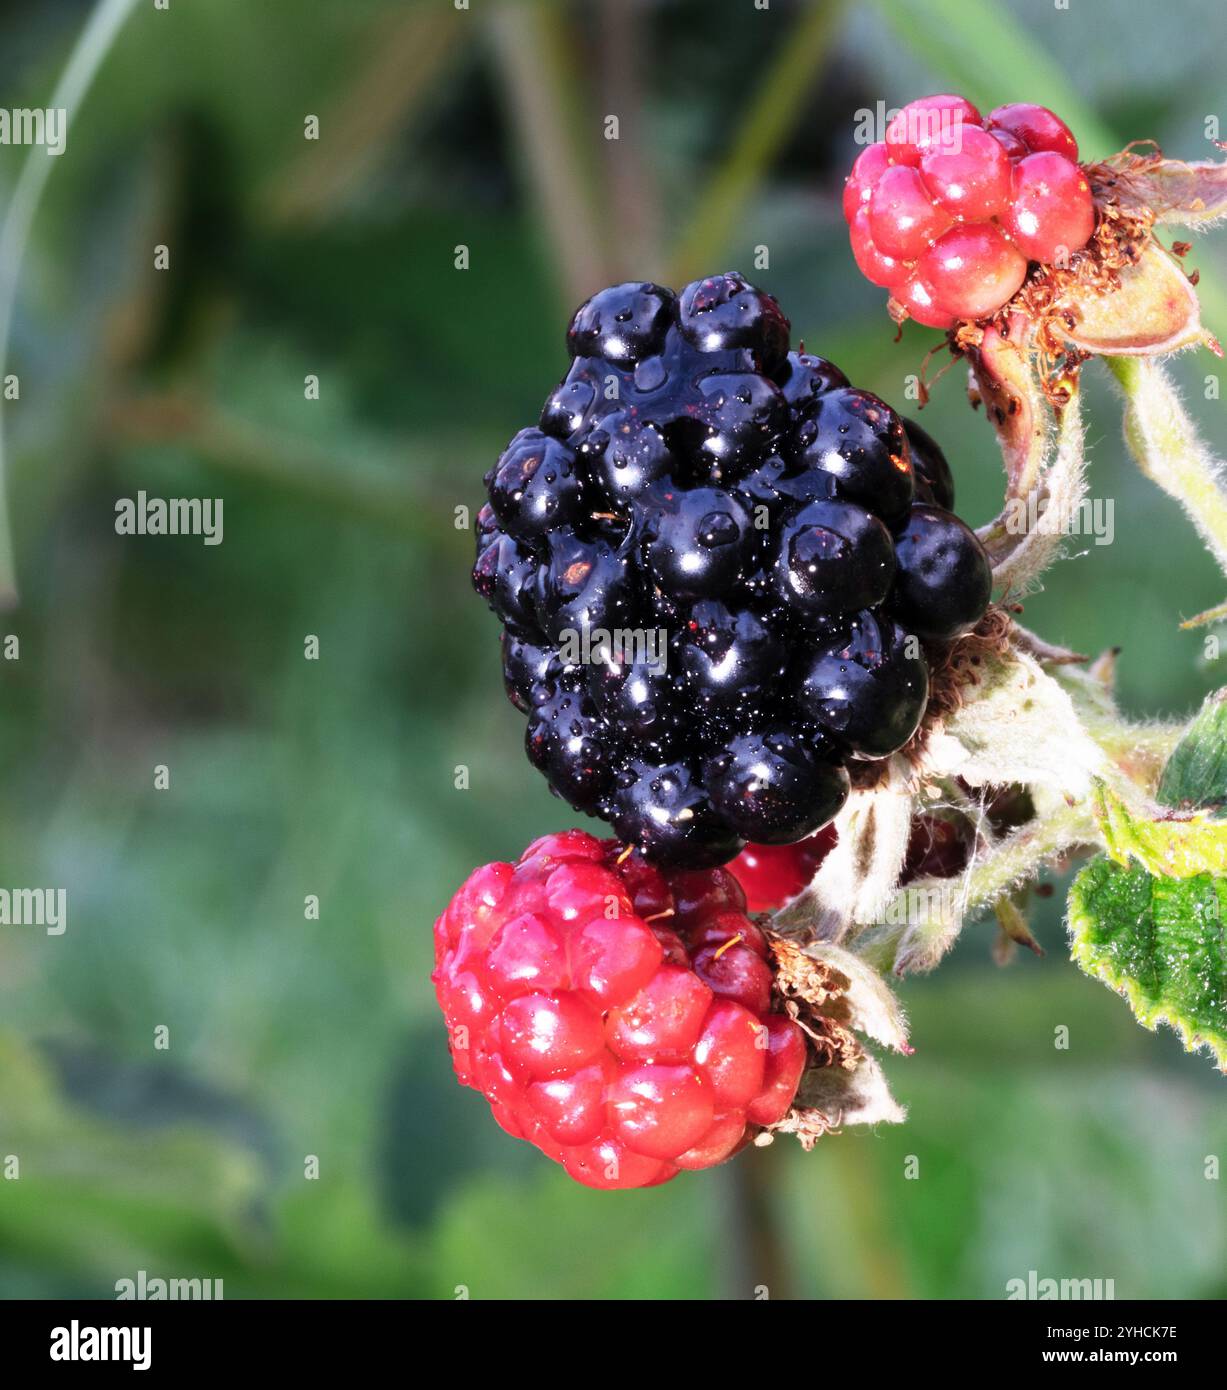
pixel 1124 293
pixel 958 665
pixel 829 993
pixel 809 992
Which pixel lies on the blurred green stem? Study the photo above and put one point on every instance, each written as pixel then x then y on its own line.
pixel 771 117
pixel 410 53
pixel 754 1254
pixel 91 48
pixel 876 1256
pixel 632 196
pixel 532 49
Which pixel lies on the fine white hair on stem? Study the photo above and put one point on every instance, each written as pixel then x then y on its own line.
pixel 1061 494
pixel 1166 446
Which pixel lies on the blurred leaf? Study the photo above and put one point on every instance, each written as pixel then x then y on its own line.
pixel 652 1242
pixel 1008 1184
pixel 988 57
pixel 105 1199
pixel 427 1112
pixel 776 105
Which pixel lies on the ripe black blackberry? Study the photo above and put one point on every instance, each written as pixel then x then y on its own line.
pixel 715 561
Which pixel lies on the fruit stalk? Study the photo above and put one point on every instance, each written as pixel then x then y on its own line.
pixel 908 944
pixel 1165 445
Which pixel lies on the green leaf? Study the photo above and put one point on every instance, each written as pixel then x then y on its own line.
pixel 1168 845
pixel 1196 773
pixel 1148 920
pixel 1159 942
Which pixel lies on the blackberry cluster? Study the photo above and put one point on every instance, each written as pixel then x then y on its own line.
pixel 710 559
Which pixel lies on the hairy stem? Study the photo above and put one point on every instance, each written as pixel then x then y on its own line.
pixel 909 941
pixel 1166 447
pixel 1056 494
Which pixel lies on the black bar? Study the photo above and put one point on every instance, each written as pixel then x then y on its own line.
pixel 865 1338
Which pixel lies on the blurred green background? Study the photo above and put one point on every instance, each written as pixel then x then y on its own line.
pixel 292 1037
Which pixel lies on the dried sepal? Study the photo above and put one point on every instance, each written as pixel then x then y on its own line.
pixel 833 996
pixel 1172 191
pixel 1013 922
pixel 1150 311
pixel 1048 653
pixel 831 1098
pixel 1037 523
pixel 859 874
pixel 1000 357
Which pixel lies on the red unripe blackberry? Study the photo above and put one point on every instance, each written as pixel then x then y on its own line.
pixel 873 263
pixel 1036 127
pixel 948 210
pixel 618 1017
pixel 969 177
pixel 1014 147
pixel 920 300
pixel 924 123
pixel 903 219
pixel 869 167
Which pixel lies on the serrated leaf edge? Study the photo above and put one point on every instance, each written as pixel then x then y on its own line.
pixel 1149 1015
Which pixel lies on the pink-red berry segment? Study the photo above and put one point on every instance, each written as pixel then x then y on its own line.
pixel 771 875
pixel 1051 214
